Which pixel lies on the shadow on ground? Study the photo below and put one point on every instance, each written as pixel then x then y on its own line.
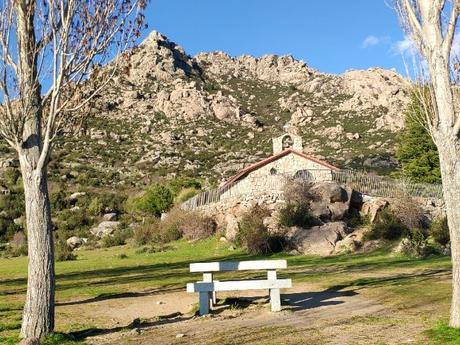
pixel 310 300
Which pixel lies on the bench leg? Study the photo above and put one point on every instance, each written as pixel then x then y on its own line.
pixel 204 302
pixel 207 277
pixel 214 298
pixel 275 299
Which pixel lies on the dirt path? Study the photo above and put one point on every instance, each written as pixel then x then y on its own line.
pixel 309 316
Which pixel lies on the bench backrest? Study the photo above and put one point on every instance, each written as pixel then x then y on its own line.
pixel 238 265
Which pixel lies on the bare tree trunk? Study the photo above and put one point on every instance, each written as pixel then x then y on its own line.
pixel 449 155
pixel 38 317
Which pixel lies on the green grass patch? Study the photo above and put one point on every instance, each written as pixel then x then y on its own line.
pixel 442 334
pixel 101 274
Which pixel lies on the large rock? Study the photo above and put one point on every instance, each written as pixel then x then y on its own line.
pixel 318 240
pixel 351 243
pixel 225 108
pixel 231 227
pixel 330 192
pixel 333 201
pixel 76 242
pixel 372 207
pixel 105 228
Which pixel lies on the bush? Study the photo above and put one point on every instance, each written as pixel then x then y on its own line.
pixel 409 212
pixel 253 235
pixel 11 176
pixel 185 194
pixel 439 230
pixel 63 252
pixel 95 207
pixel 74 221
pixel 183 182
pixel 18 244
pixel 296 212
pixel 387 227
pixel 58 201
pixel 145 233
pixel 118 238
pixel 155 200
pixel 170 228
pixel 197 227
pixel 298 192
pixel 415 243
pixel 296 215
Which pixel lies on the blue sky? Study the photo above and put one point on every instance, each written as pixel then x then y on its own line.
pixel 331 36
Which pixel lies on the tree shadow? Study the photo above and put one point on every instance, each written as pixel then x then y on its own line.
pixel 135 325
pixel 310 300
pixel 108 296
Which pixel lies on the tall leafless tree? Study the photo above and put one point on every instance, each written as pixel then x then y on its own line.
pixel 431 25
pixel 48 48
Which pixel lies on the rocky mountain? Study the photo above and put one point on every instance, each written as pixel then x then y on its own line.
pixel 167 113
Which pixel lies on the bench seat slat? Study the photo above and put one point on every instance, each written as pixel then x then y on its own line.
pixel 238 285
pixel 238 265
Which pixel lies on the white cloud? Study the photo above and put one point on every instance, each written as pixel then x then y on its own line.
pixel 370 41
pixel 404 47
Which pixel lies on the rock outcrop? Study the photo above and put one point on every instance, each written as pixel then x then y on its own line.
pixel 212 114
pixel 318 240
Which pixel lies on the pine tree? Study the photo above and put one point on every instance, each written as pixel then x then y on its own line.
pixel 416 150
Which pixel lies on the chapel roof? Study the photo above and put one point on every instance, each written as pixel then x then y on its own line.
pixel 243 172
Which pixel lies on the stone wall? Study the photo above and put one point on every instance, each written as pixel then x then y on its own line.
pixel 272 177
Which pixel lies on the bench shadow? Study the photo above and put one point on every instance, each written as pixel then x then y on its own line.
pixel 310 300
pixel 293 301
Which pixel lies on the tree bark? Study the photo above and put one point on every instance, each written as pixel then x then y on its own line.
pixel 38 316
pixel 449 155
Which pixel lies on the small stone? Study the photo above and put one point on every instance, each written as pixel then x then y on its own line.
pixel 110 216
pixel 160 302
pixel 223 239
pixel 180 335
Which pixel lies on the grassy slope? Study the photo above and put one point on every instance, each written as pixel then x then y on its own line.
pixel 400 282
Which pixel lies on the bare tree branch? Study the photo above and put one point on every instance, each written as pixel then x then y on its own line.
pixel 448 39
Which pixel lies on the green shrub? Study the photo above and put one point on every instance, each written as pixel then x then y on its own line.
pixel 118 238
pixel 63 252
pixel 183 182
pixel 11 176
pixel 439 230
pixel 96 207
pixel 296 215
pixel 253 235
pixel 112 202
pixel 415 243
pixel 387 227
pixel 58 201
pixel 156 199
pixel 185 194
pixel 74 221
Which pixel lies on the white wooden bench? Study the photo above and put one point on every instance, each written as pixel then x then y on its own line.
pixel 208 287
